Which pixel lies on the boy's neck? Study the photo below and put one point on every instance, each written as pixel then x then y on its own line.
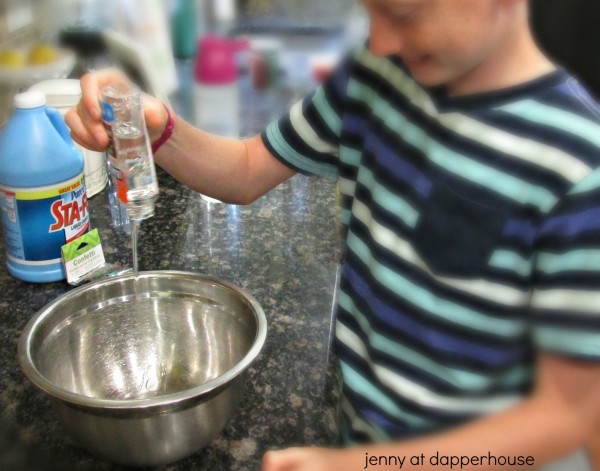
pixel 518 60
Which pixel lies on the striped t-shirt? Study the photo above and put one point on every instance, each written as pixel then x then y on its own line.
pixel 472 238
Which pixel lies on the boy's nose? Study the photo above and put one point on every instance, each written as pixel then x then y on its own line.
pixel 384 38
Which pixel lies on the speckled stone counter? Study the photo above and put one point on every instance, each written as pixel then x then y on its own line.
pixel 283 249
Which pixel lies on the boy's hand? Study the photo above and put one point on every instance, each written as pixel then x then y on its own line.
pixel 309 459
pixel 85 120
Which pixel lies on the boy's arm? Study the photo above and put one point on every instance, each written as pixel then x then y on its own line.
pixel 231 170
pixel 559 417
pixel 228 169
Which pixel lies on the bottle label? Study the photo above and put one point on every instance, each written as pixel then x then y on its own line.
pixel 39 221
pixel 108 118
pixel 83 256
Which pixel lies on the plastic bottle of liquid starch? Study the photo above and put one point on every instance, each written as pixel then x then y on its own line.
pixel 42 190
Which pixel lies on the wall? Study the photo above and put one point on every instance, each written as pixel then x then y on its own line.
pixel 569 32
pixel 24 21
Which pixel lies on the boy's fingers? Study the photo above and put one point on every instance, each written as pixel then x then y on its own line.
pixel 156 116
pixel 85 120
pixel 284 460
pixel 89 98
pixel 92 83
pixel 91 136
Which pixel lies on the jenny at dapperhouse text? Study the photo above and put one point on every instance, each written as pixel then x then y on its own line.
pixel 439 461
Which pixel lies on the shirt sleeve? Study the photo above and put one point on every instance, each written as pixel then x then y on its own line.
pixel 566 295
pixel 308 137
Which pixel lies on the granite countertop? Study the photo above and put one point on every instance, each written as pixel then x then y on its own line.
pixel 283 249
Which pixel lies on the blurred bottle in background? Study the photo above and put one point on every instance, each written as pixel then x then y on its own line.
pixel 264 62
pixel 216 87
pixel 356 27
pixel 220 16
pixel 185 27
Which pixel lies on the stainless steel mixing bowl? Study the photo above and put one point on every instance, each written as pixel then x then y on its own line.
pixel 145 371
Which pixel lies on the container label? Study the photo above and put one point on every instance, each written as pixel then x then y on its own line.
pixel 82 256
pixel 39 221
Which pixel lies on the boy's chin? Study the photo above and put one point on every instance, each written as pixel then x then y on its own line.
pixel 430 80
pixel 428 75
pixel 435 78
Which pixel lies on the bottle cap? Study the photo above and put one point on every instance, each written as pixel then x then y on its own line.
pixel 215 61
pixel 30 99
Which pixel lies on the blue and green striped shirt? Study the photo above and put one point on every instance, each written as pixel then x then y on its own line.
pixel 472 238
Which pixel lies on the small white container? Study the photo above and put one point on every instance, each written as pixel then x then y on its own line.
pixel 63 94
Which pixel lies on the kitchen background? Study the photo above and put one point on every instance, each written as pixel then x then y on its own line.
pixel 23 23
pixel 567 30
pixel 279 248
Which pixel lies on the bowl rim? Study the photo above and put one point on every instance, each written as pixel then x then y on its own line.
pixel 167 401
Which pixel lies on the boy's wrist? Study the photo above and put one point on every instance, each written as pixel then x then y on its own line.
pixel 167 131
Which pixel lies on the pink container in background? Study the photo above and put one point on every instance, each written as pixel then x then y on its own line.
pixel 216 85
pixel 216 90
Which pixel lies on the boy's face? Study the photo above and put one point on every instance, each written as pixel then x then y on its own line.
pixel 440 41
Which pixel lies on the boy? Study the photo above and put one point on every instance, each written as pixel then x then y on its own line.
pixel 467 325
